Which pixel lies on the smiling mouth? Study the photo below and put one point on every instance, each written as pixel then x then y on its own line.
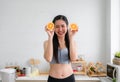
pixel 60 33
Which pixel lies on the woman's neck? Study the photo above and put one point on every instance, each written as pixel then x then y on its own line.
pixel 61 43
pixel 61 40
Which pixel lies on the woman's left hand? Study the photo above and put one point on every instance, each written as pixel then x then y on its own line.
pixel 72 33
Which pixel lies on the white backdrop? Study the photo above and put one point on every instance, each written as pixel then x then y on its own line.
pixel 22 28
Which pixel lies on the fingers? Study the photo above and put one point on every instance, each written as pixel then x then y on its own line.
pixel 73 30
pixel 47 30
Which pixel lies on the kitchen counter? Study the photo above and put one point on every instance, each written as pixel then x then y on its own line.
pixel 43 78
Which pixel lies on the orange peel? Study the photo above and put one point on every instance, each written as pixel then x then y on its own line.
pixel 50 26
pixel 73 26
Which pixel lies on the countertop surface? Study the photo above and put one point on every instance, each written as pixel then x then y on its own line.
pixel 45 77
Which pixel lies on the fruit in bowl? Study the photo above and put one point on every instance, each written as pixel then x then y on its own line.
pixel 117 54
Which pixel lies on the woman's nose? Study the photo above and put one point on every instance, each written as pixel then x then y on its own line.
pixel 60 29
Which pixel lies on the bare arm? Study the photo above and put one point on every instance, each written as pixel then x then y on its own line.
pixel 48 50
pixel 73 47
pixel 73 52
pixel 48 46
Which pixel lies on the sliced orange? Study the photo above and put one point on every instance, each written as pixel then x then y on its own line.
pixel 50 26
pixel 73 26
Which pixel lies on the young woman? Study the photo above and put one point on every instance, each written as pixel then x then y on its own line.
pixel 60 50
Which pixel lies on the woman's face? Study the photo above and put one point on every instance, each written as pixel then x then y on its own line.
pixel 60 28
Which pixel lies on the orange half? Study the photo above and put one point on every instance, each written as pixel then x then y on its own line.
pixel 50 26
pixel 73 26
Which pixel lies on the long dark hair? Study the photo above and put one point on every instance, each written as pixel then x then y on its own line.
pixel 55 38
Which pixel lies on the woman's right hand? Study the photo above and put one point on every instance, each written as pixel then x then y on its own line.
pixel 49 32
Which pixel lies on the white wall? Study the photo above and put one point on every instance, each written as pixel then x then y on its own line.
pixel 119 25
pixel 22 28
pixel 108 31
pixel 113 29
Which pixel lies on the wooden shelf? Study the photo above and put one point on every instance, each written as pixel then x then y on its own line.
pixel 94 69
pixel 76 64
pixel 12 67
pixel 98 75
pixel 81 72
pixel 44 73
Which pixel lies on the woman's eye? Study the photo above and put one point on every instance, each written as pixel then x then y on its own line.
pixel 62 26
pixel 57 26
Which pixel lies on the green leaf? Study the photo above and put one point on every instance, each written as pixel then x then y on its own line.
pixel 114 80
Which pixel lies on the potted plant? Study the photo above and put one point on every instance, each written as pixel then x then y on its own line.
pixel 116 59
